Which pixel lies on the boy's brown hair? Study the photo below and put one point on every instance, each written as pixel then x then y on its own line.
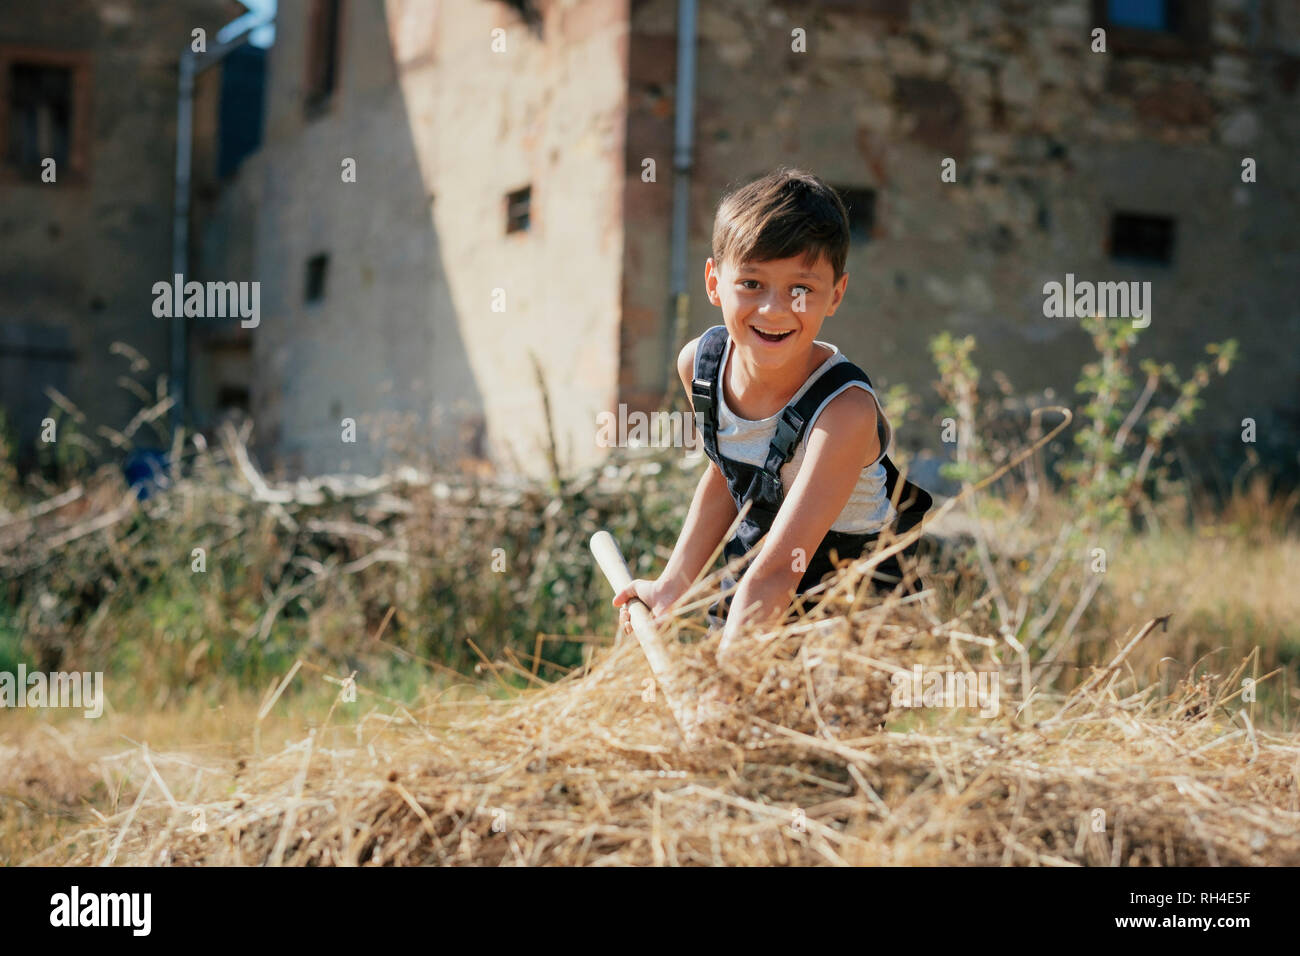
pixel 785 213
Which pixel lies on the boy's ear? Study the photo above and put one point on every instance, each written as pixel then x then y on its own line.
pixel 837 294
pixel 711 281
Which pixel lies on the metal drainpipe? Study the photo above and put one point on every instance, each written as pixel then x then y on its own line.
pixel 181 228
pixel 675 327
pixel 189 69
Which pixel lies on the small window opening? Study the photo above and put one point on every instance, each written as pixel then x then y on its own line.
pixel 519 210
pixel 317 269
pixel 860 204
pixel 1147 240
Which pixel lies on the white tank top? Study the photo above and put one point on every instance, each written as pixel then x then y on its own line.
pixel 740 439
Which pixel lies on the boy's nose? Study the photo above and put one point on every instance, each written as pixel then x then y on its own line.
pixel 775 305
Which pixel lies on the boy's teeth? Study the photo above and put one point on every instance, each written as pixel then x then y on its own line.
pixel 772 336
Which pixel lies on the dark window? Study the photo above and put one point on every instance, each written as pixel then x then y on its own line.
pixel 1139 14
pixel 530 13
pixel 232 396
pixel 314 288
pixel 1159 28
pixel 239 122
pixel 1147 240
pixel 40 114
pixel 44 112
pixel 860 204
pixel 519 210
pixel 322 54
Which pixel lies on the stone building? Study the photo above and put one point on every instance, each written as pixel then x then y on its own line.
pixel 432 216
pixel 1123 165
pixel 91 85
pixel 449 192
pixel 501 208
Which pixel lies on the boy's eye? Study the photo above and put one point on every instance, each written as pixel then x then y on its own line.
pixel 754 284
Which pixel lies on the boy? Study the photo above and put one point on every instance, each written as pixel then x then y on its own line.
pixel 787 422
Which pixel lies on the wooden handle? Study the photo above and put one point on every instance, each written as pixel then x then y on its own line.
pixel 610 559
pixel 612 564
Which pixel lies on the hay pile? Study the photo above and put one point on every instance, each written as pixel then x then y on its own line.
pixel 795 770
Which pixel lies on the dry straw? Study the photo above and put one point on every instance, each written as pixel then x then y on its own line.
pixel 795 769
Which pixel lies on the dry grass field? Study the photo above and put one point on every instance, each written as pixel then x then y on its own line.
pixel 419 668
pixel 1150 757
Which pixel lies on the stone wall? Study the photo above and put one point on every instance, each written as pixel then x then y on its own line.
pixel 79 257
pixel 1050 139
pixel 441 128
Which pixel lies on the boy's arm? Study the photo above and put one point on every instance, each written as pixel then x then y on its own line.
pixel 843 439
pixel 710 515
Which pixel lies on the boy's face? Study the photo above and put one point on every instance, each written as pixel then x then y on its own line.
pixel 774 309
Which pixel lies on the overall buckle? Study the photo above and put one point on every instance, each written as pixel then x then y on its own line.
pixel 702 398
pixel 788 430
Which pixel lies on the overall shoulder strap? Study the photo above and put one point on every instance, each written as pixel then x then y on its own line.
pixel 796 416
pixel 705 384
pixel 913 501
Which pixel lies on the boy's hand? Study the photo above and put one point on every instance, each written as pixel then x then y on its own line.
pixel 653 594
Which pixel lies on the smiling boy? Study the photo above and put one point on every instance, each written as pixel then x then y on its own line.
pixel 788 423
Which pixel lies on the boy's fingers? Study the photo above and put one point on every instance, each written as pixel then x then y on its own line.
pixel 628 593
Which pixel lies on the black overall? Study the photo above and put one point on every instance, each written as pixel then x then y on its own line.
pixel 762 485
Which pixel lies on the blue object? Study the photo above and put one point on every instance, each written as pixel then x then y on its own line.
pixel 1139 14
pixel 147 470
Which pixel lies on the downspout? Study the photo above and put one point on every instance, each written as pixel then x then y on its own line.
pixel 190 68
pixel 181 229
pixel 683 145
